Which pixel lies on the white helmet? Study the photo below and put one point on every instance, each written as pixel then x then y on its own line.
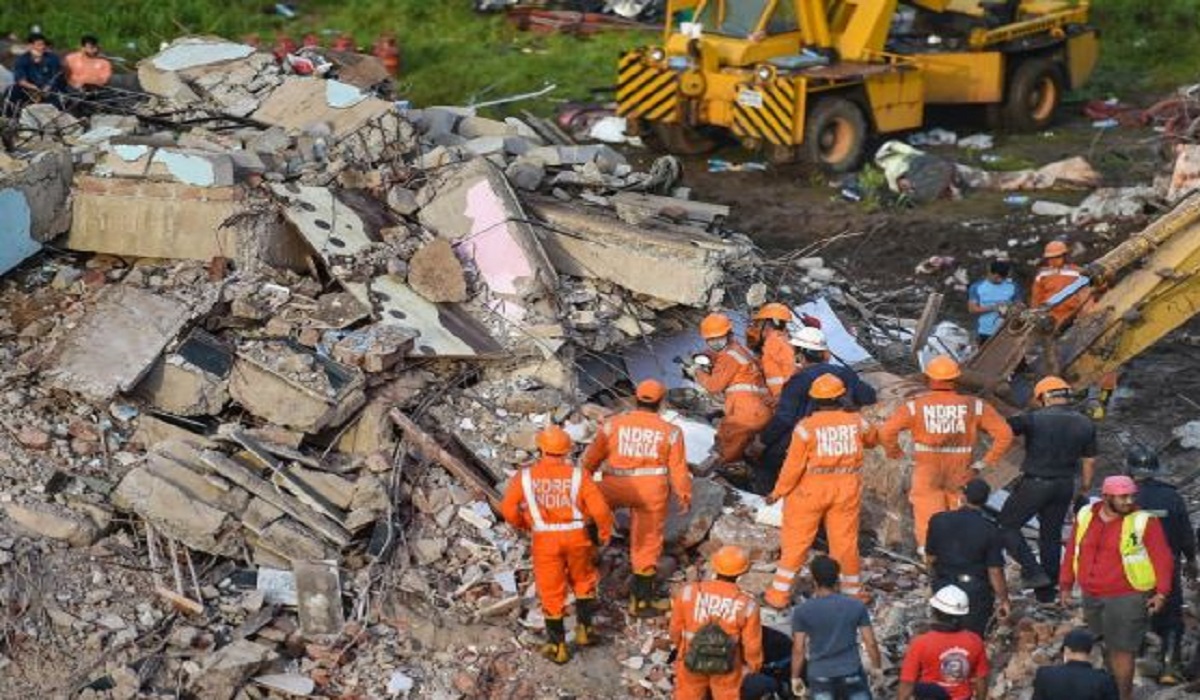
pixel 809 338
pixel 951 600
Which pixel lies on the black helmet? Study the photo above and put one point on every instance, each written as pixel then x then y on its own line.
pixel 1142 459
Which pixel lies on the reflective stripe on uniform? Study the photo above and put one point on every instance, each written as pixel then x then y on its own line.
pixel 918 447
pixel 801 431
pixel 637 471
pixel 833 470
pixel 774 381
pixel 850 578
pixel 739 357
pixel 781 586
pixel 1065 272
pixel 786 573
pixel 745 387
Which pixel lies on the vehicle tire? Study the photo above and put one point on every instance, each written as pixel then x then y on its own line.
pixel 835 136
pixel 681 140
pixel 1034 92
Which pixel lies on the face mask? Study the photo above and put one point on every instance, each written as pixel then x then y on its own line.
pixel 717 344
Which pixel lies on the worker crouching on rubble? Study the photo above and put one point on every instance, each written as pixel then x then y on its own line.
pixel 556 501
pixel 768 336
pixel 729 368
pixel 945 428
pixel 716 631
pixel 821 483
pixel 813 361
pixel 644 462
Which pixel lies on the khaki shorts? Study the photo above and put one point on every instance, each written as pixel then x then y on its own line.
pixel 1122 621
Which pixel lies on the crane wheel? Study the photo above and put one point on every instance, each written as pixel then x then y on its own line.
pixel 1035 91
pixel 836 134
pixel 681 140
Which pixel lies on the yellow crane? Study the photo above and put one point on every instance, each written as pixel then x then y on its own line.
pixel 820 77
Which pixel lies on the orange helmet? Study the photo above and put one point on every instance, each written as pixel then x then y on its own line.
pixel 774 312
pixel 1049 384
pixel 715 326
pixel 1055 249
pixel 554 441
pixel 651 391
pixel 731 560
pixel 827 386
pixel 943 368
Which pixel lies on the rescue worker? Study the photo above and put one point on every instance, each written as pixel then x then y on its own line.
pixel 1060 443
pixel 556 501
pixel 644 463
pixel 706 660
pixel 1120 557
pixel 768 336
pixel 947 656
pixel 945 427
pixel 964 549
pixel 1075 679
pixel 731 370
pixel 1163 500
pixel 1055 276
pixel 794 403
pixel 822 484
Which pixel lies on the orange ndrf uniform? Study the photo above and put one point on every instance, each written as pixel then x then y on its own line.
pixel 736 373
pixel 945 427
pixel 645 462
pixel 778 360
pixel 1051 280
pixel 555 499
pixel 821 481
pixel 694 606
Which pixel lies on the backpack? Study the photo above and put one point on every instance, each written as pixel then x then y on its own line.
pixel 711 652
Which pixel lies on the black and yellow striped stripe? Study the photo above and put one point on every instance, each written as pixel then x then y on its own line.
pixel 644 91
pixel 775 120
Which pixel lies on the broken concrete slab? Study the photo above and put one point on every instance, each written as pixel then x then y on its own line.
pixel 371 431
pixel 474 206
pixel 319 591
pixel 376 348
pixel 636 208
pixel 141 218
pixel 180 463
pixel 192 167
pixel 176 512
pixel 153 431
pixel 53 521
pixel 300 103
pixel 288 541
pixel 443 330
pixel 191 381
pixel 689 529
pixel 760 541
pixel 118 341
pixel 227 669
pixel 595 245
pixel 436 273
pixel 330 225
pixel 294 387
pixel 44 181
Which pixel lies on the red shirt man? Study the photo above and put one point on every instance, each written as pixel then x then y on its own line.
pixel 947 655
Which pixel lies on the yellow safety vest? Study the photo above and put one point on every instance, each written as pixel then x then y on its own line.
pixel 1135 559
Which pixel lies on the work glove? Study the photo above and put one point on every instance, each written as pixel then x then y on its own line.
pixel 979 465
pixel 798 689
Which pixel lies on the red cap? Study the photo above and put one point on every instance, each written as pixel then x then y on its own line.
pixel 1118 486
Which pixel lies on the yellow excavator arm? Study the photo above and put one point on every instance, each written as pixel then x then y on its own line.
pixel 1140 306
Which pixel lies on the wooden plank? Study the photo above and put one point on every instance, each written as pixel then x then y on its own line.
pixel 294 507
pixel 428 446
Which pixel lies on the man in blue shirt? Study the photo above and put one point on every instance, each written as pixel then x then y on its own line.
pixel 813 357
pixel 990 298
pixel 825 633
pixel 38 73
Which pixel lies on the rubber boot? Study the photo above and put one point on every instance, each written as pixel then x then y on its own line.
pixel 644 603
pixel 1169 655
pixel 555 647
pixel 585 630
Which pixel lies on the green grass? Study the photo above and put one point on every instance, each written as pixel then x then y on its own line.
pixel 452 55
pixel 449 53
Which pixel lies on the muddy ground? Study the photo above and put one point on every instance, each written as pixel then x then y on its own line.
pixel 878 248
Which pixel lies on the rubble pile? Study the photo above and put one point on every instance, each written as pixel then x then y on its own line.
pixel 284 294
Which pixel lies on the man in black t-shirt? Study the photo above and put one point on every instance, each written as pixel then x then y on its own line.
pixel 964 549
pixel 1059 443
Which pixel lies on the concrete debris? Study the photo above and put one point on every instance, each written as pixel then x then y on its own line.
pixel 294 387
pixel 436 273
pixel 225 671
pixel 53 521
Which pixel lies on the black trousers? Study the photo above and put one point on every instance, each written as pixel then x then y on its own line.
pixel 979 594
pixel 766 472
pixel 1049 500
pixel 1170 618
